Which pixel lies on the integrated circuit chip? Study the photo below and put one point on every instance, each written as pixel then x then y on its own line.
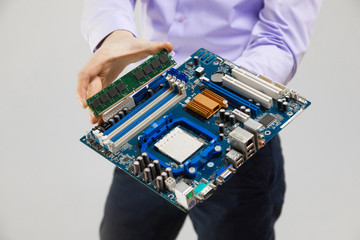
pixel 139 75
pixel 104 98
pixel 164 58
pixel 121 87
pixel 267 120
pixel 178 145
pixel 95 104
pixel 112 92
pixel 155 64
pixel 147 69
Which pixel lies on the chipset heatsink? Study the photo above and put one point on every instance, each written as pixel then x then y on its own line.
pixel 178 145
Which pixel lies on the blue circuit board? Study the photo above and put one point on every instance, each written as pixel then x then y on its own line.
pixel 211 164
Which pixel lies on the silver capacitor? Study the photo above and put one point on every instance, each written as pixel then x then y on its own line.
pixel 152 169
pixel 141 161
pixel 146 158
pixel 164 175
pixel 147 175
pixel 159 183
pixel 157 167
pixel 136 167
pixel 248 111
pixel 242 108
pixel 169 172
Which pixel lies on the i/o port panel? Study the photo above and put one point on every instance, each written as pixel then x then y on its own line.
pixel 183 132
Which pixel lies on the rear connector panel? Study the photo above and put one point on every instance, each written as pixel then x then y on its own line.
pixel 185 131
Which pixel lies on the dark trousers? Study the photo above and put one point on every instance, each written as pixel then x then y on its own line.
pixel 245 207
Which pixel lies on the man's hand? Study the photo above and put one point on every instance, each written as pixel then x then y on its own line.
pixel 118 50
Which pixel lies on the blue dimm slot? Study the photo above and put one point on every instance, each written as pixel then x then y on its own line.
pixel 234 99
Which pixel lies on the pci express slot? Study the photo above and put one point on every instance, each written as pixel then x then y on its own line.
pixel 231 97
pixel 139 125
pixel 125 85
pixel 258 83
pixel 247 91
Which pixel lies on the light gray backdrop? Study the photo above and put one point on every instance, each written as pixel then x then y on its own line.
pixel 52 187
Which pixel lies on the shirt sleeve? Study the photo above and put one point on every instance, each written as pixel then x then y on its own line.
pixel 102 17
pixel 280 37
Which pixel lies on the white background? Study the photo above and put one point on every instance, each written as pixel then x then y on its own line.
pixel 53 187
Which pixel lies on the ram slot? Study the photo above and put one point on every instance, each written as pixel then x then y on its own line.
pixel 139 114
pixel 247 91
pixel 115 146
pixel 258 83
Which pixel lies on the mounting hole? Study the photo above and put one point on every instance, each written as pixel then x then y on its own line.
pixel 171 196
pixel 210 164
pixel 192 170
pixel 267 132
pixel 290 114
pixel 216 62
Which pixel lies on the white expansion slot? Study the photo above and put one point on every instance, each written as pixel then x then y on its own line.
pixel 240 116
pixel 258 83
pixel 114 147
pixel 247 91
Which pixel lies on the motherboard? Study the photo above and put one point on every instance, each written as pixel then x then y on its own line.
pixel 184 130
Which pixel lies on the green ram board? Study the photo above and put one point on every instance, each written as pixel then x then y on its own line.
pixel 105 98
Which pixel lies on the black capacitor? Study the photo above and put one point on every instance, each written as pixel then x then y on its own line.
pixel 227 116
pixel 222 114
pixel 146 158
pixel 279 103
pixel 121 114
pixel 221 136
pixel 157 166
pixel 164 175
pixel 136 166
pixel 248 111
pixel 196 60
pixel 232 119
pixel 150 92
pixel 111 121
pixel 228 149
pixel 117 118
pixel 221 128
pixel 159 183
pixel 147 175
pixel 169 172
pixel 258 104
pixel 242 108
pixel 285 106
pixel 251 100
pixel 141 161
pixel 287 98
pixel 105 125
pixel 125 110
pixel 152 169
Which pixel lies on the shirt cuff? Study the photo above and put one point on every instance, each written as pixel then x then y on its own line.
pixel 269 61
pixel 104 25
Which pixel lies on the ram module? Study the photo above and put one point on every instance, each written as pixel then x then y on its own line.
pixel 130 82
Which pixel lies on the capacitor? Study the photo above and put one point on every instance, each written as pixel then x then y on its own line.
pixel 136 166
pixel 196 60
pixel 287 98
pixel 221 128
pixel 159 183
pixel 169 172
pixel 150 92
pixel 242 108
pixel 125 110
pixel 285 106
pixel 227 116
pixel 111 121
pixel 221 136
pixel 152 169
pixel 232 119
pixel 141 161
pixel 147 175
pixel 251 100
pixel 117 118
pixel 121 114
pixel 279 103
pixel 164 175
pixel 228 149
pixel 258 104
pixel 222 114
pixel 157 166
pixel 248 111
pixel 146 158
